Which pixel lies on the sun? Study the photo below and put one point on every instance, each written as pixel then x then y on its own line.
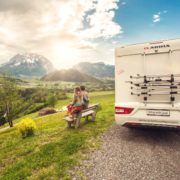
pixel 65 56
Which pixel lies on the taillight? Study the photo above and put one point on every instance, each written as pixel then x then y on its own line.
pixel 134 124
pixel 123 110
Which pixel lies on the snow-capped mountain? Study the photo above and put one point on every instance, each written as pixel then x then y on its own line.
pixel 29 64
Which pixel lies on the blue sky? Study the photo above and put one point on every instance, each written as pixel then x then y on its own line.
pixel 68 32
pixel 136 19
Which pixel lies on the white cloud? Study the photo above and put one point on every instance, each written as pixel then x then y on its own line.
pixel 82 44
pixel 101 21
pixel 124 3
pixel 111 50
pixel 165 11
pixel 114 42
pixel 119 36
pixel 106 5
pixel 156 20
pixel 156 16
pixel 55 28
pixel 159 13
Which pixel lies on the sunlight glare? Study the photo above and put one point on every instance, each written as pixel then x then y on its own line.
pixel 65 55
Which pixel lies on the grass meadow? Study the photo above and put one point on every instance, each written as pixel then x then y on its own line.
pixel 54 149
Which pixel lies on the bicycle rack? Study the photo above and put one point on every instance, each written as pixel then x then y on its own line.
pixel 155 85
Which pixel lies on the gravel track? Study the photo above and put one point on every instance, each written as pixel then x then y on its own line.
pixel 129 153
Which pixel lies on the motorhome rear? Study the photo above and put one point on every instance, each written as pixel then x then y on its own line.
pixel 147 84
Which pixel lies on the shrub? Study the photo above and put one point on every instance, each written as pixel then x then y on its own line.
pixel 52 100
pixel 26 128
pixel 25 113
pixel 59 97
pixel 92 90
pixel 16 116
pixel 32 106
pixel 2 121
pixel 25 106
pixel 35 108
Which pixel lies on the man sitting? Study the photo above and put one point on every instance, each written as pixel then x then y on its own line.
pixel 86 103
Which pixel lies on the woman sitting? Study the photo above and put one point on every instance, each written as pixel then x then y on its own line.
pixel 78 102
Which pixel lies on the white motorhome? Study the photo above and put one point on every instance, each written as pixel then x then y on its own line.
pixel 147 84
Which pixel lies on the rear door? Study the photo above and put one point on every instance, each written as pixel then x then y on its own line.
pixel 158 63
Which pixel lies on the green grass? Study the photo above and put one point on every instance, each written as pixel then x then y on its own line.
pixel 61 103
pixel 54 149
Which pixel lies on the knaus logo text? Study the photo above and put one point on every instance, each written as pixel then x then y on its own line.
pixel 156 47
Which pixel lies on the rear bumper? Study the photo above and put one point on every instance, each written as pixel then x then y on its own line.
pixel 139 115
pixel 151 121
pixel 153 126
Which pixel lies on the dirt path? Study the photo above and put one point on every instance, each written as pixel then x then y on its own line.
pixel 134 154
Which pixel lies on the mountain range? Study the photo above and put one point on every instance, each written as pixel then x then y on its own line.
pixel 28 64
pixel 99 70
pixel 32 64
pixel 70 75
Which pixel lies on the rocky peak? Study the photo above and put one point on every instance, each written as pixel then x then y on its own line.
pixel 29 62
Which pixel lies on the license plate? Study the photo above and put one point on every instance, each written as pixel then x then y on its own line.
pixel 152 112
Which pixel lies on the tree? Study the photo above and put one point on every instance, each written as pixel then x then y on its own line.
pixel 9 95
pixel 52 100
pixel 2 110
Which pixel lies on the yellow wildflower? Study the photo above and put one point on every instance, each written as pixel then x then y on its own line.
pixel 26 127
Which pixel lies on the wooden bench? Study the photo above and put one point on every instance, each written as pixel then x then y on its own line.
pixel 83 113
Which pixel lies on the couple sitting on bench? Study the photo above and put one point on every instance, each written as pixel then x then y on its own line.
pixel 80 101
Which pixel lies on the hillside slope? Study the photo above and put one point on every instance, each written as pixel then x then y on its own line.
pixel 29 64
pixel 54 149
pixel 100 69
pixel 70 75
